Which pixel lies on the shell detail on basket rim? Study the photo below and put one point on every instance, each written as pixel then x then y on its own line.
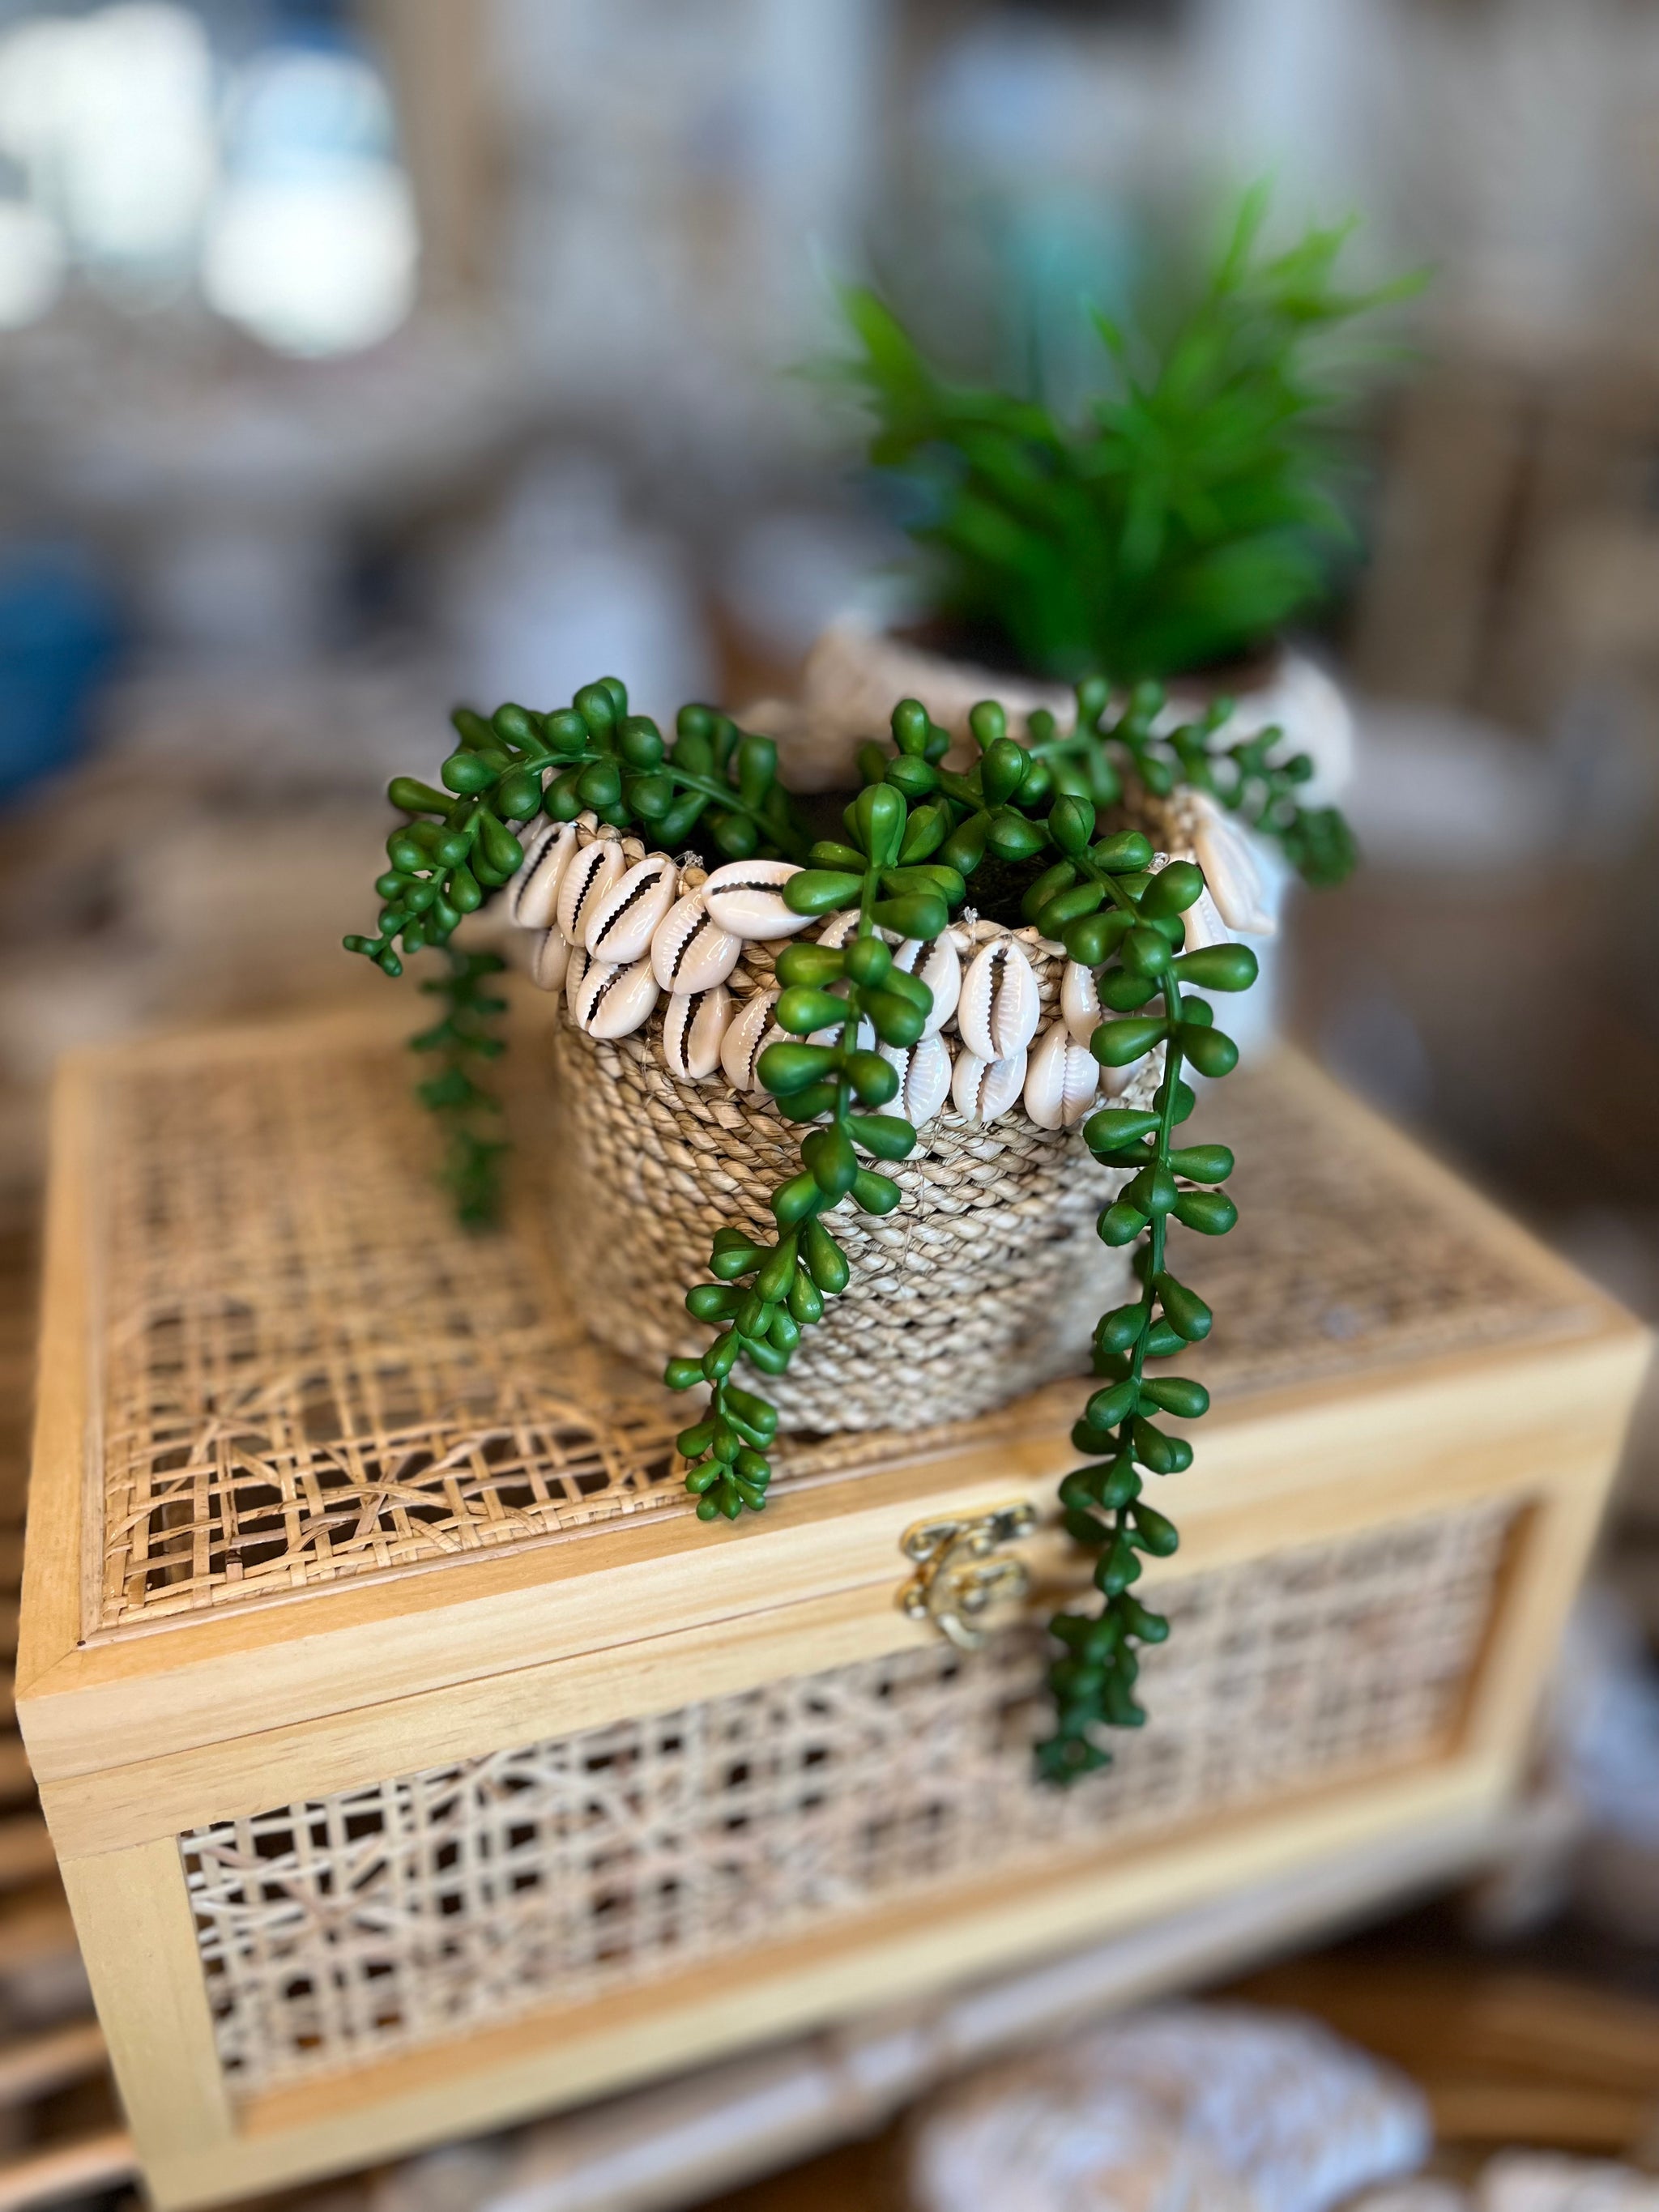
pixel 1001 986
pixel 694 1026
pixel 939 965
pixel 1062 1080
pixel 613 999
pixel 589 874
pixel 532 896
pixel 745 1039
pixel 620 927
pixel 690 950
pixel 999 1008
pixel 549 958
pixel 985 1090
pixel 746 897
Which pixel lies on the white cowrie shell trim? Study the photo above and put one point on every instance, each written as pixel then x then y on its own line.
pixel 549 958
pixel 1204 925
pixel 926 1080
pixel 690 950
pixel 533 893
pixel 746 897
pixel 1079 1001
pixel 588 875
pixel 575 969
pixel 621 926
pixel 694 1024
pixel 613 999
pixel 998 1013
pixel 839 928
pixel 983 1088
pixel 746 1039
pixel 939 965
pixel 1230 872
pixel 1062 1080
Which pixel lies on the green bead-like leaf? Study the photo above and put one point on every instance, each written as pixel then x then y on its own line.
pixel 1186 1312
pixel 1117 1044
pixel 875 1194
pixel 1176 1393
pixel 802 1008
pixel 1218 968
pixel 1212 1212
pixel 1173 889
pixel 821 891
pixel 886 1135
pixel 825 1260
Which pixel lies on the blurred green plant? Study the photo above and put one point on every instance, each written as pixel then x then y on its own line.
pixel 1184 518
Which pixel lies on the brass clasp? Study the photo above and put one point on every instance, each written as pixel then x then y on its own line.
pixel 961 1571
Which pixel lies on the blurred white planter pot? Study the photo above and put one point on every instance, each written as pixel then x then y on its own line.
pixel 858 668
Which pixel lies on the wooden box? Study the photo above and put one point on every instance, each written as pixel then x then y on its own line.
pixel 417 1759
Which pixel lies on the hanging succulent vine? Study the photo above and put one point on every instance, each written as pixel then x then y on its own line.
pixel 1025 820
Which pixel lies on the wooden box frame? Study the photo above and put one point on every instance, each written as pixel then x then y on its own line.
pixel 138 1740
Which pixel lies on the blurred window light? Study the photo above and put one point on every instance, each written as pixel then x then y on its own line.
pixel 312 245
pixel 110 117
pixel 31 264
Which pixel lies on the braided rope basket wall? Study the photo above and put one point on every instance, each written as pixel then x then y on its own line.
pixel 986 1281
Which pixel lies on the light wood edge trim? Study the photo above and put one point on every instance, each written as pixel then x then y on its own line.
pixel 55 1550
pixel 546 2061
pixel 1540 1580
pixel 171 1793
pixel 232 1674
pixel 138 1935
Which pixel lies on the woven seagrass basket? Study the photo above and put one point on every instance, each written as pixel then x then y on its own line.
pixel 983 1283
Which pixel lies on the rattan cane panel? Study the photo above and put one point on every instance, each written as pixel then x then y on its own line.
pixel 339 1931
pixel 308 1373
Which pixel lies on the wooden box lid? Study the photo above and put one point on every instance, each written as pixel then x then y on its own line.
pixel 305 1448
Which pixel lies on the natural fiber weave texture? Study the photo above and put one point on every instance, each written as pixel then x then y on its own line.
pixel 984 1282
pixel 304 1373
pixel 336 1932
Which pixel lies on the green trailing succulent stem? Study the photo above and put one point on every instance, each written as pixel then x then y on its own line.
pixel 1106 1510
pixel 458 844
pixel 471 1115
pixel 1253 778
pixel 1023 826
pixel 842 998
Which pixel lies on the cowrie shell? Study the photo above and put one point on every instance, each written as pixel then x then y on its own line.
pixel 1061 1079
pixel 1079 1001
pixel 925 1081
pixel 613 999
pixel 575 969
pixel 746 897
pixel 589 874
pixel 839 928
pixel 533 893
pixel 983 1088
pixel 746 1038
pixel 998 1013
pixel 549 959
pixel 939 965
pixel 1232 872
pixel 694 1024
pixel 690 950
pixel 1204 925
pixel 621 926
